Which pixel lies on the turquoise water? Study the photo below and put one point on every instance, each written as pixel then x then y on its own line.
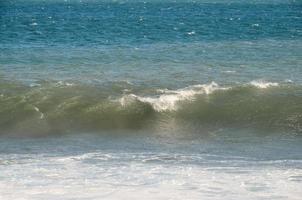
pixel 160 99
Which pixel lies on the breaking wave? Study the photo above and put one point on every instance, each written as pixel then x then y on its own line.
pixel 68 107
pixel 263 84
pixel 169 99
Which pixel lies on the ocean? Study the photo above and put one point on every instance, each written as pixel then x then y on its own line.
pixel 132 99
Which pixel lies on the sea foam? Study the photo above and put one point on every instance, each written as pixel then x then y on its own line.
pixel 168 100
pixel 263 84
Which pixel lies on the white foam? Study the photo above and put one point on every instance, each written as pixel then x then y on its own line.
pixel 230 71
pixel 168 100
pixel 145 176
pixel 263 84
pixel 191 33
pixel 38 110
pixel 63 83
pixel 34 85
pixel 288 81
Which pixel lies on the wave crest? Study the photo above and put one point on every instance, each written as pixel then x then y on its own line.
pixel 169 99
pixel 263 84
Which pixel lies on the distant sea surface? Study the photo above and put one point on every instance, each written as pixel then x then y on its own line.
pixel 135 99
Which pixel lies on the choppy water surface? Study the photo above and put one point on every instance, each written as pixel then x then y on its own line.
pixel 154 166
pixel 156 99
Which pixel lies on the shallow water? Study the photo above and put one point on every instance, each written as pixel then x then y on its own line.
pixel 161 167
pixel 160 100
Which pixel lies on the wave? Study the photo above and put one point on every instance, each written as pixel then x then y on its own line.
pixel 67 107
pixel 263 84
pixel 169 99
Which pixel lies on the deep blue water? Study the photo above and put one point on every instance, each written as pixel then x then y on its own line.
pixel 75 23
pixel 195 42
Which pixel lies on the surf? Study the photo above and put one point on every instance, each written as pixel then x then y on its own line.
pixel 62 107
